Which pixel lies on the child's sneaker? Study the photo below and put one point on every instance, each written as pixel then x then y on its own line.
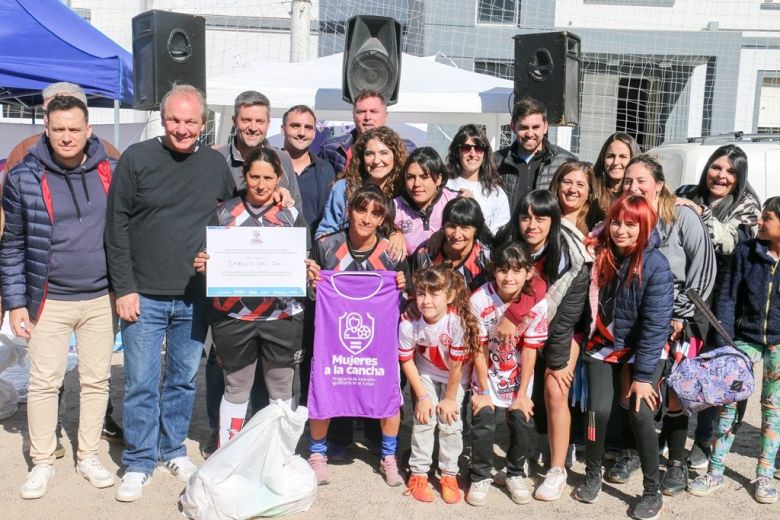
pixel 319 463
pixel 450 492
pixel 518 491
pixel 706 484
pixel 388 467
pixel 419 488
pixel 764 491
pixel 553 485
pixel 478 492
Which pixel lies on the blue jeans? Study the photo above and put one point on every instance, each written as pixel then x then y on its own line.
pixel 157 418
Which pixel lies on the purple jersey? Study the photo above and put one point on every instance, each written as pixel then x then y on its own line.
pixel 355 370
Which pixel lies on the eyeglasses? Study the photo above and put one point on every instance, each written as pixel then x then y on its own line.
pixel 466 148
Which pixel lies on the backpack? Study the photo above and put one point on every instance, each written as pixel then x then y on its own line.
pixel 718 377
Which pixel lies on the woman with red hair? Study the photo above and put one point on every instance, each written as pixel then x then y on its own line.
pixel 631 297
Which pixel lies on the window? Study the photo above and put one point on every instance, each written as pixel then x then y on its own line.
pixel 13 111
pixel 504 69
pixel 497 11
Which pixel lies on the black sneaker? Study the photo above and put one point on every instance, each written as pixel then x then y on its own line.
pixel 675 479
pixel 649 507
pixel 699 457
pixel 624 466
pixel 210 446
pixel 588 491
pixel 112 432
pixel 59 450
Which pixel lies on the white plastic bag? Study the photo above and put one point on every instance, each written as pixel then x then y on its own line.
pixel 255 474
pixel 10 355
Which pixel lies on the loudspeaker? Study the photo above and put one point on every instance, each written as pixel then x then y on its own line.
pixel 547 68
pixel 372 57
pixel 167 47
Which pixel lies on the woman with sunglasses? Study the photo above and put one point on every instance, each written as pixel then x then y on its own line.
pixel 470 159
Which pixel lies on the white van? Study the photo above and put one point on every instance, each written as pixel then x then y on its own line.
pixel 684 162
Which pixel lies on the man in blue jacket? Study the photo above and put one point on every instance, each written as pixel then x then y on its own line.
pixel 55 283
pixel 369 110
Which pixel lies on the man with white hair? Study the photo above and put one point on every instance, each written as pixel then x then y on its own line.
pixel 163 194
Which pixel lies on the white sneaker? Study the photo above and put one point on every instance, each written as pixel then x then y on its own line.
pixel 93 470
pixel 132 486
pixel 553 485
pixel 182 467
pixel 478 491
pixel 518 490
pixel 37 481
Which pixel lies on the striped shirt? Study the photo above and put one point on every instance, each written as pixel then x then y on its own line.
pixel 237 213
pixel 434 346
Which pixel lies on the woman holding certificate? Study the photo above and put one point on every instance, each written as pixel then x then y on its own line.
pixel 245 328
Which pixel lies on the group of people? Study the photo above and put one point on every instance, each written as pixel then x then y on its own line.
pixel 551 288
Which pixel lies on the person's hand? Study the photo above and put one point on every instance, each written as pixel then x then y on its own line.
pixel 679 201
pixel 677 327
pixel 312 273
pixel 411 312
pixel 563 377
pixel 200 262
pixel 447 411
pixel 129 307
pixel 643 392
pixel 524 404
pixel 424 410
pixel 478 402
pixel 283 198
pixel 20 322
pixel 505 331
pixel 396 246
pixel 400 281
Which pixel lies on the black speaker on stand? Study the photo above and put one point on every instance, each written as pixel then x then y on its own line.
pixel 167 48
pixel 547 68
pixel 372 57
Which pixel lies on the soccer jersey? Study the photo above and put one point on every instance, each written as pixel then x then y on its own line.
pixel 434 346
pixel 237 213
pixel 504 361
pixel 473 269
pixel 354 369
pixel 334 252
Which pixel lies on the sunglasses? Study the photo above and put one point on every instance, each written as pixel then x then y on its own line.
pixel 466 148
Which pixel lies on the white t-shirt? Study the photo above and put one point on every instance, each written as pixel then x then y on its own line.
pixel 434 346
pixel 504 362
pixel 494 206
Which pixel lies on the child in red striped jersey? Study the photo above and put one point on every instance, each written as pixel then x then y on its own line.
pixel 434 351
pixel 503 371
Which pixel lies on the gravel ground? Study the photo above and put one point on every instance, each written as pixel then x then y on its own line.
pixel 356 490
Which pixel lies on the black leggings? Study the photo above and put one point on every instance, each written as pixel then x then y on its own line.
pixel 604 388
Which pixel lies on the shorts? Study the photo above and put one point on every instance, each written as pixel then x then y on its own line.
pixel 239 343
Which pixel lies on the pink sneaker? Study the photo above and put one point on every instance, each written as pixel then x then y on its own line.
pixel 388 467
pixel 319 463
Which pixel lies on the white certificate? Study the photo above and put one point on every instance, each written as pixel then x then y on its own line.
pixel 256 261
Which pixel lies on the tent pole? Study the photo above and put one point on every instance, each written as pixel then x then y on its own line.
pixel 116 123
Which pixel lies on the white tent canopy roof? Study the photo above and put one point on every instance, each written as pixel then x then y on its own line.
pixel 430 92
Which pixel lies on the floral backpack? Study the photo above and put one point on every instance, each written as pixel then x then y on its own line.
pixel 718 377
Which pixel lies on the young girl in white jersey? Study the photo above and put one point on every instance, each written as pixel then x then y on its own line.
pixel 503 371
pixel 434 351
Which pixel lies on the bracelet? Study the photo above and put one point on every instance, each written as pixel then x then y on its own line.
pixel 423 397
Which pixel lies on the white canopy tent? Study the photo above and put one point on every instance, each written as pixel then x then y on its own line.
pixel 430 92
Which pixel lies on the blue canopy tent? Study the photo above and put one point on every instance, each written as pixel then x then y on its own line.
pixel 44 41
